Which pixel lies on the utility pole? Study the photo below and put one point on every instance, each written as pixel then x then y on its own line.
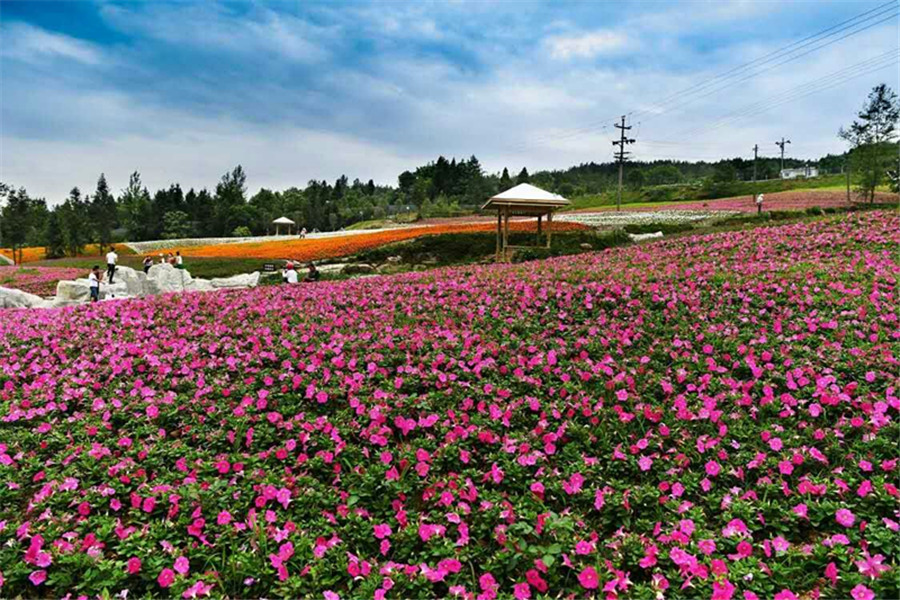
pixel 847 163
pixel 755 151
pixel 781 144
pixel 620 155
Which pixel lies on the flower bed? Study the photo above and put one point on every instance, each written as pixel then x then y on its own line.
pixel 36 253
pixel 706 417
pixel 37 280
pixel 347 243
pixel 620 219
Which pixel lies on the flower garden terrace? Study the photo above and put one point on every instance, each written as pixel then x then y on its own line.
pixel 708 416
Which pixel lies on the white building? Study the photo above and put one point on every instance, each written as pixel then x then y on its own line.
pixel 801 172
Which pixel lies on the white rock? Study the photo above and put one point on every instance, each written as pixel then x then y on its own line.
pixel 243 280
pixel 639 237
pixel 329 269
pixel 164 278
pixel 72 292
pixel 10 298
pixel 201 285
pixel 135 280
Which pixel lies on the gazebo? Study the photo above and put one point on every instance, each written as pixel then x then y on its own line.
pixel 523 200
pixel 282 221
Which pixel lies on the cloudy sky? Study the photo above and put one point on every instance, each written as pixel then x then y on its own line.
pixel 184 91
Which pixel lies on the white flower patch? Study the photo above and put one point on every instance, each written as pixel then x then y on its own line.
pixel 620 219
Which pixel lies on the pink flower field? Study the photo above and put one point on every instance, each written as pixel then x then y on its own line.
pixel 704 417
pixel 37 280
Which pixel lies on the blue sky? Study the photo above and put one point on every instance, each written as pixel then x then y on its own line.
pixel 184 91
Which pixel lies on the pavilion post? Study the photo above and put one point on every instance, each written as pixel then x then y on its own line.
pixel 506 235
pixel 499 231
pixel 549 227
pixel 538 237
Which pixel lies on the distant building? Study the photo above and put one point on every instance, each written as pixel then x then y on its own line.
pixel 800 172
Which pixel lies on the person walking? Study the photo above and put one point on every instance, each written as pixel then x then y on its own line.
pixel 111 259
pixel 759 203
pixel 94 279
pixel 148 262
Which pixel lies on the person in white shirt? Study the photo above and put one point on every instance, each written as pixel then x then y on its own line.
pixel 179 260
pixel 759 202
pixel 111 259
pixel 94 279
pixel 290 275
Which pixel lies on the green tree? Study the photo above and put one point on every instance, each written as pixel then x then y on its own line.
pixel 231 196
pixel 103 212
pixel 136 210
pixel 241 231
pixel 74 216
pixel 871 137
pixel 635 179
pixel 523 176
pixel 55 244
pixel 662 175
pixel 16 220
pixel 176 225
pixel 505 180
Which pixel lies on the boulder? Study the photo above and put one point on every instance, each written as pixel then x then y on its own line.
pixel 201 285
pixel 640 237
pixel 73 292
pixel 165 278
pixel 79 291
pixel 394 259
pixel 243 280
pixel 10 298
pixel 330 269
pixel 357 269
pixel 136 281
pixel 586 246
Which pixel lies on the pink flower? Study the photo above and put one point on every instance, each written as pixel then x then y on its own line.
pixel 223 518
pixel 645 462
pixel 845 517
pixel 200 588
pixel 182 565
pixel 713 468
pixel 382 531
pixel 588 578
pixel 329 595
pixel 38 577
pixel 861 592
pixel 166 578
pixel 786 595
pixel 722 590
pixel 133 565
pixel 521 591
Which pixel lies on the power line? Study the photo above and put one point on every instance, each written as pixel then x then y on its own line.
pixel 792 47
pixel 823 83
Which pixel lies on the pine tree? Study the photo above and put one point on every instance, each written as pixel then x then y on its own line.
pixel 55 245
pixel 103 212
pixel 505 181
pixel 523 176
pixel 871 137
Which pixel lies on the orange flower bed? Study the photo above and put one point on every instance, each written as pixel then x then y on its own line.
pixel 36 253
pixel 333 247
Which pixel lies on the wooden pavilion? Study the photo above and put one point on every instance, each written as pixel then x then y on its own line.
pixel 523 200
pixel 282 221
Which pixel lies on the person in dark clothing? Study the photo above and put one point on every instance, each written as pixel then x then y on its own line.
pixel 148 262
pixel 313 274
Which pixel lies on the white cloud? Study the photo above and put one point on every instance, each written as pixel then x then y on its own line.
pixel 213 28
pixel 585 45
pixel 31 44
